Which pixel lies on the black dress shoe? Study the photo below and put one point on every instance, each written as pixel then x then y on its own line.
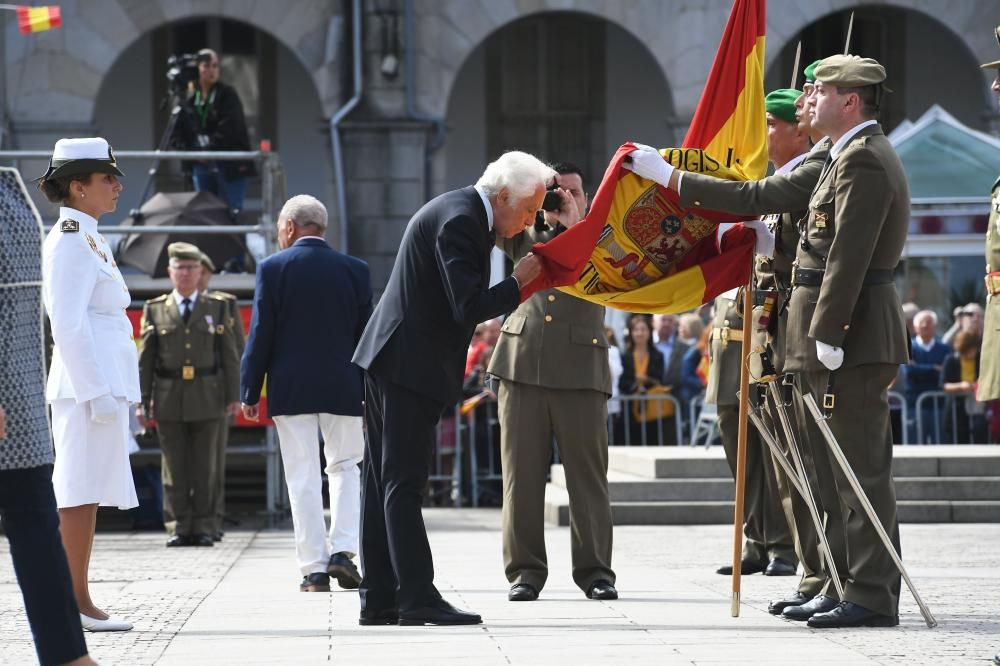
pixel 378 618
pixel 218 536
pixel 794 599
pixel 849 614
pixel 315 582
pixel 202 541
pixel 602 590
pixel 440 612
pixel 780 567
pixel 747 567
pixel 342 568
pixel 178 541
pixel 522 592
pixel 801 613
pixel 996 659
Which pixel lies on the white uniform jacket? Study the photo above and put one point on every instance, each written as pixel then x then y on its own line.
pixel 85 298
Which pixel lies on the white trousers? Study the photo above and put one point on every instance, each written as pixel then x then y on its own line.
pixel 343 440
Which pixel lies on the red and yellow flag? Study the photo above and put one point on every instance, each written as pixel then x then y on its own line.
pixel 637 249
pixel 38 19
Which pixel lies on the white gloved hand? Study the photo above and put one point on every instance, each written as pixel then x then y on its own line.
pixel 765 237
pixel 103 409
pixel 830 356
pixel 649 164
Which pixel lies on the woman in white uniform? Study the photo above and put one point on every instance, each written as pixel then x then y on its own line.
pixel 94 374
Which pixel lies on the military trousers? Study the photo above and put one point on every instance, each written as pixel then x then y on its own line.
pixel 860 423
pixel 530 417
pixel 765 529
pixel 797 514
pixel 219 505
pixel 189 468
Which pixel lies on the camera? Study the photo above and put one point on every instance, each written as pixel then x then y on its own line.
pixel 552 202
pixel 182 70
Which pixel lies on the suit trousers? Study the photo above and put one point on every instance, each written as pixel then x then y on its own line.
pixel 860 423
pixel 530 416
pixel 343 446
pixel 397 568
pixel 765 528
pixel 29 517
pixel 797 515
pixel 189 469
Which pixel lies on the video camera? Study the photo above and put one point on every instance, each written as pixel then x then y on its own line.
pixel 182 69
pixel 551 203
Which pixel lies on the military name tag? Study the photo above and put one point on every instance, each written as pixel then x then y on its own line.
pixel 820 218
pixel 69 225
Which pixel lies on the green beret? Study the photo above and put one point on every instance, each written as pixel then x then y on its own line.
pixel 185 251
pixel 849 71
pixel 810 71
pixel 206 261
pixel 780 103
pixel 996 63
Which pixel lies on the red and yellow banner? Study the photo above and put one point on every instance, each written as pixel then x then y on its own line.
pixel 38 19
pixel 637 249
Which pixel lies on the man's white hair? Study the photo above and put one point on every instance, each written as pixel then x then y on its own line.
pixel 519 172
pixel 304 209
pixel 926 314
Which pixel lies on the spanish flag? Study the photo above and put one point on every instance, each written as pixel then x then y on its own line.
pixel 638 250
pixel 38 19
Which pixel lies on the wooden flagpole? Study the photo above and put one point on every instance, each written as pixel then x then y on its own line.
pixel 741 444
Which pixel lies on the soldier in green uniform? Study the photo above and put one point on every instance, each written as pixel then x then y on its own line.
pixel 989 369
pixel 236 337
pixel 189 378
pixel 846 334
pixel 770 544
pixel 555 381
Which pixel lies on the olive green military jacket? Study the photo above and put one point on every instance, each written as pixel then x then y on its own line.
pixel 234 324
pixel 989 365
pixel 773 196
pixel 552 340
pixel 189 372
pixel 858 218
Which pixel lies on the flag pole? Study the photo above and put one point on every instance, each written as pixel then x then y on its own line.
pixel 741 444
pixel 795 66
pixel 850 29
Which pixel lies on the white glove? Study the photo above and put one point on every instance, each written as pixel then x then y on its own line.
pixel 103 409
pixel 765 237
pixel 649 164
pixel 831 357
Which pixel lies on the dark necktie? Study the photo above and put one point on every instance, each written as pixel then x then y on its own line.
pixel 186 309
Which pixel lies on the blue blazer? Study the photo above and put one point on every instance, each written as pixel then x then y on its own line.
pixel 309 310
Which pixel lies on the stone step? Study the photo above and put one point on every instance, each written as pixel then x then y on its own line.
pixel 693 462
pixel 721 512
pixel 624 487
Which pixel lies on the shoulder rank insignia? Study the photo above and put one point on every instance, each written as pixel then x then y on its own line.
pixel 93 246
pixel 69 225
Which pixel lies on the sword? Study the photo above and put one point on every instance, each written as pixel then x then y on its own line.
pixel 838 454
pixel 850 29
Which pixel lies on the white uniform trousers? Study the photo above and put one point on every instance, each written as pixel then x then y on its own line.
pixel 343 440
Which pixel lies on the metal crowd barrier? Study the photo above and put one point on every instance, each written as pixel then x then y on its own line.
pixel 447 474
pixel 943 406
pixel 898 403
pixel 643 402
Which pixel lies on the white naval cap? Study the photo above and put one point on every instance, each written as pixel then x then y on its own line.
pixel 72 157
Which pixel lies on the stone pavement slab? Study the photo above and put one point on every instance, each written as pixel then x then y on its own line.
pixel 240 604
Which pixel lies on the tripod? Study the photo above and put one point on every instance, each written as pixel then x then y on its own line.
pixel 168 133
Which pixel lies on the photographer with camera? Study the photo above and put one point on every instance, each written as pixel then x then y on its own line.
pixel 555 380
pixel 212 119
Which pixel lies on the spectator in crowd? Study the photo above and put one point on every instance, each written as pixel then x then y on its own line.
pixel 923 372
pixel 673 350
pixel 690 331
pixel 615 362
pixel 910 311
pixel 961 373
pixel 479 409
pixel 488 334
pixel 214 120
pixel 969 317
pixel 642 368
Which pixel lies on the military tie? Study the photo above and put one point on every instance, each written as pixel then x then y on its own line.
pixel 186 311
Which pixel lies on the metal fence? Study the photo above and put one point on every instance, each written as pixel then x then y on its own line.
pixel 940 421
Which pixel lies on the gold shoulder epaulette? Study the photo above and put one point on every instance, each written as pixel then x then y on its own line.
pixel 69 226
pixel 158 299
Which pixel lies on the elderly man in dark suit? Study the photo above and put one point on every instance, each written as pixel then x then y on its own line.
pixel 414 353
pixel 310 306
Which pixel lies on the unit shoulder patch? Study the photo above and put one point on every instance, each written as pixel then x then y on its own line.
pixel 69 226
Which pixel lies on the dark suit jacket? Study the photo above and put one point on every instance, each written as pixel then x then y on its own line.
pixel 310 307
pixel 438 291
pixel 627 384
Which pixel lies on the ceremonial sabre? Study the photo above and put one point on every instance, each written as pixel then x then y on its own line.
pixel 795 67
pixel 850 29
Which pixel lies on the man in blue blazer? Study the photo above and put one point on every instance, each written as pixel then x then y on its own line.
pixel 414 353
pixel 310 307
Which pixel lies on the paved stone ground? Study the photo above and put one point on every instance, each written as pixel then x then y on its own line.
pixel 239 603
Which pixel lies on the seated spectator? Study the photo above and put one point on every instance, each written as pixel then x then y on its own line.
pixel 923 372
pixel 961 372
pixel 642 369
